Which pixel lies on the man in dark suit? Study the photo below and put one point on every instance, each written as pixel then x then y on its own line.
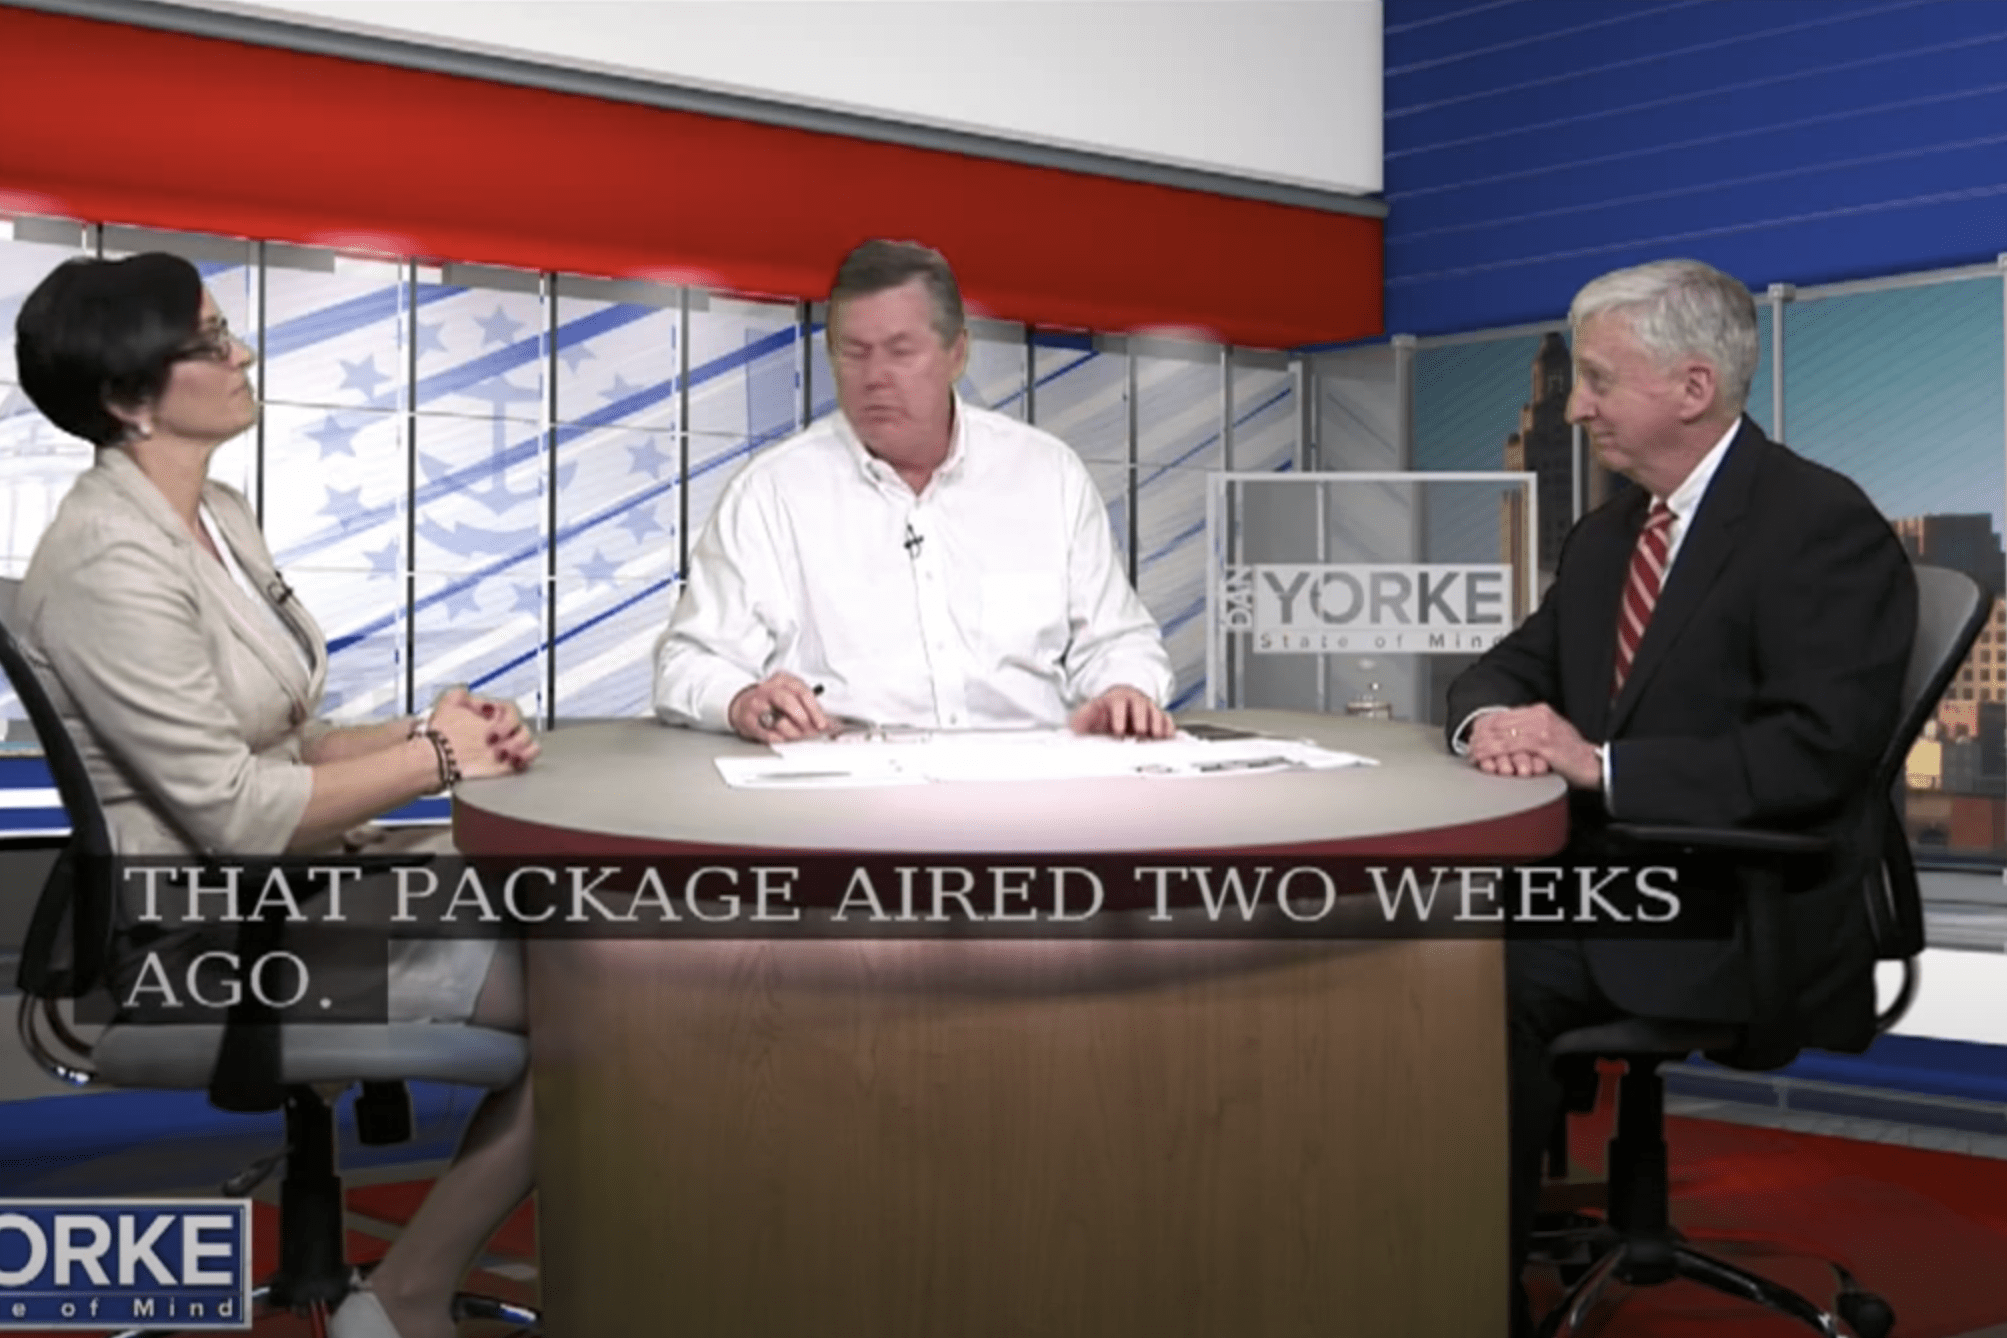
pixel 1722 645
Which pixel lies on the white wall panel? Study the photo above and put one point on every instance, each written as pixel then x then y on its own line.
pixel 1284 91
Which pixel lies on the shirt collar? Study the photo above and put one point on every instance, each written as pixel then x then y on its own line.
pixel 1685 499
pixel 879 472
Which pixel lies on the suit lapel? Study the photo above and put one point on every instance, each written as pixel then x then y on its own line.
pixel 274 647
pixel 251 628
pixel 1709 543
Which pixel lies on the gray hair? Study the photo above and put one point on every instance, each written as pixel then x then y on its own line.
pixel 878 265
pixel 1681 309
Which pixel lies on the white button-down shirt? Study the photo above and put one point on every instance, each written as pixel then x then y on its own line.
pixel 1684 500
pixel 994 598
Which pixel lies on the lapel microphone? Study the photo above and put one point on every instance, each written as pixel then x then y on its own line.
pixel 912 541
pixel 278 591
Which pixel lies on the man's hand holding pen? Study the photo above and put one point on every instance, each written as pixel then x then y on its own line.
pixel 779 710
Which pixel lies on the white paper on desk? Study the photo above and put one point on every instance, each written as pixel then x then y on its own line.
pixel 1206 759
pixel 1064 756
pixel 782 773
pixel 976 754
pixel 1060 754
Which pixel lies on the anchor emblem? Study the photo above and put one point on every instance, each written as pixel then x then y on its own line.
pixel 488 484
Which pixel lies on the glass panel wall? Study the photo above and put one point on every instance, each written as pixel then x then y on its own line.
pixel 618 456
pixel 1900 388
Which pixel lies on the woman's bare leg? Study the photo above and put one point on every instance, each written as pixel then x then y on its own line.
pixel 490 1176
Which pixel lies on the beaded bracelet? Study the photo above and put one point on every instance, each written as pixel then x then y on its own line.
pixel 449 765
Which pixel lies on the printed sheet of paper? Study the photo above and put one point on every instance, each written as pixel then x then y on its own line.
pixel 912 757
pixel 1239 757
pixel 786 773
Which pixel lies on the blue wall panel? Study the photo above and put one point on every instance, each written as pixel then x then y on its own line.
pixel 1533 144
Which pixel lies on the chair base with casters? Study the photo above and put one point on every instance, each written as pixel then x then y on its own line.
pixel 317 1063
pixel 1637 1244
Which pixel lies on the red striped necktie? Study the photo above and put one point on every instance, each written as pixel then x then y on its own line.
pixel 1641 589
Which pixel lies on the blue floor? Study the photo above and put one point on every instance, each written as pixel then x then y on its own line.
pixel 143 1142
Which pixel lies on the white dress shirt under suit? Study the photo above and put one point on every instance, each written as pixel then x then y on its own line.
pixel 994 598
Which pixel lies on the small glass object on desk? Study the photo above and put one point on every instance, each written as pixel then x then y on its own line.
pixel 1369 704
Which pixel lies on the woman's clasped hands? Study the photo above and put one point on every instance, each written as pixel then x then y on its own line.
pixel 486 736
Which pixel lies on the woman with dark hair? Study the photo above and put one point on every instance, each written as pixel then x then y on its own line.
pixel 190 678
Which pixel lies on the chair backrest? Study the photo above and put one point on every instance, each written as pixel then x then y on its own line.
pixel 69 937
pixel 1952 611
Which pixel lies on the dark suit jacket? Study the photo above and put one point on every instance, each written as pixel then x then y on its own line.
pixel 1765 691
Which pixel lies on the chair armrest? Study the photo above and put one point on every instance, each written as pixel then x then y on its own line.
pixel 247 1077
pixel 1723 840
pixel 1760 860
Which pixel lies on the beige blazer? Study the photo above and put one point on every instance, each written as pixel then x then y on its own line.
pixel 190 706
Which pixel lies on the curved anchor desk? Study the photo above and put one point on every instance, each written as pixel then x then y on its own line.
pixel 993 1139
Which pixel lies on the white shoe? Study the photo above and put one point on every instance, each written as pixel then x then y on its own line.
pixel 361 1316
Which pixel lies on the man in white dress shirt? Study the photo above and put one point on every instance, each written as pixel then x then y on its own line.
pixel 911 559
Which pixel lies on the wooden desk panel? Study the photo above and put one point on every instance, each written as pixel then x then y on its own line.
pixel 1005 1139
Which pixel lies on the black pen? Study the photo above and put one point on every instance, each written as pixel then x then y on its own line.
pixel 1240 764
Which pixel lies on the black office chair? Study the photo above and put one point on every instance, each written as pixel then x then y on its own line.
pixel 246 1064
pixel 1637 1244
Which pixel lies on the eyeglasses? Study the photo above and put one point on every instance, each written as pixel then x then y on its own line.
pixel 215 344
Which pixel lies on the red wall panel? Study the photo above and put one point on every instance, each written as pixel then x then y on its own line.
pixel 123 124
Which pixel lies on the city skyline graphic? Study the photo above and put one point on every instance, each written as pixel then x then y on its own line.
pixel 1903 390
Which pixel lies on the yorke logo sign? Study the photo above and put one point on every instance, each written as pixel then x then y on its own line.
pixel 1361 608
